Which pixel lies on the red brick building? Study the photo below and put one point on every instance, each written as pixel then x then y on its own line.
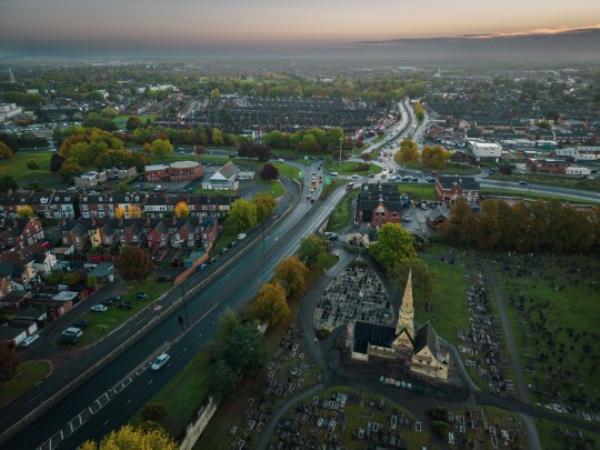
pixel 176 171
pixel 378 204
pixel 548 165
pixel 449 188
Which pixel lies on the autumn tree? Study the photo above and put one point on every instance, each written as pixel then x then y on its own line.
pixel 5 151
pixel 119 213
pixel 243 216
pixel 422 277
pixel 269 172
pixel 313 250
pixel 419 111
pixel 9 361
pixel 25 211
pixel 134 263
pixel 130 438
pixel 133 123
pixel 394 245
pixel 69 170
pixel 271 304
pixel 161 148
pixel 409 151
pixel 434 158
pixel 293 275
pixel 461 225
pixel 216 137
pixel 154 411
pixel 182 209
pixel 32 164
pixel 265 204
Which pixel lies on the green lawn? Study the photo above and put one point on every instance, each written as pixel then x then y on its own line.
pixel 351 168
pixel 523 193
pixel 451 168
pixel 449 311
pixel 16 167
pixel 183 395
pixel 287 170
pixel 556 326
pixel 273 187
pixel 100 324
pixel 556 436
pixel 28 374
pixel 552 180
pixel 341 216
pixel 418 191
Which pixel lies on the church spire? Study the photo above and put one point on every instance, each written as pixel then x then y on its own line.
pixel 407 311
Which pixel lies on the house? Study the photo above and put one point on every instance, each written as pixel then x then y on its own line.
pixel 19 233
pixel 437 216
pixel 449 188
pixel 103 272
pixel 582 153
pixel 378 204
pixel 23 270
pixel 176 171
pixel 63 205
pixel 90 179
pixel 75 234
pixel 43 259
pixel 484 150
pixel 578 171
pixel 12 336
pixel 224 179
pixel 15 299
pixel 418 352
pixel 557 166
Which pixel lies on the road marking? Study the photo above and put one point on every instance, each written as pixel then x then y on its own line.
pixel 128 402
pixel 151 381
pixel 105 423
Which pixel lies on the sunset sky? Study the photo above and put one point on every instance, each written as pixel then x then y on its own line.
pixel 238 22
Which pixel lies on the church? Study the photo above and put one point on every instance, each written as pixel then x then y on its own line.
pixel 418 351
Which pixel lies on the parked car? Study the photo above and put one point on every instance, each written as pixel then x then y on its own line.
pixel 406 179
pixel 142 296
pixel 29 340
pixel 115 298
pixel 165 278
pixel 280 160
pixel 213 260
pixel 202 267
pixel 406 219
pixel 224 250
pixel 72 332
pixel 160 361
pixel 125 305
pixel 80 324
pixel 524 183
pixel 99 308
pixel 241 236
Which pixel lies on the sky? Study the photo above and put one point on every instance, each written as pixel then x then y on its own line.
pixel 277 22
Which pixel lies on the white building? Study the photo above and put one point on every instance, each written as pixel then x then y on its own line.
pixel 9 110
pixel 582 153
pixel 578 171
pixel 484 150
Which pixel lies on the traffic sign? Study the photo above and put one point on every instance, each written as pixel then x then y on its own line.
pixel 327 180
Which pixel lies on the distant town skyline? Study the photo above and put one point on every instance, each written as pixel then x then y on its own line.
pixel 277 23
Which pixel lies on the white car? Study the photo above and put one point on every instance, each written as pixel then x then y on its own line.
pixel 158 187
pixel 241 236
pixel 160 361
pixel 29 340
pixel 280 160
pixel 99 308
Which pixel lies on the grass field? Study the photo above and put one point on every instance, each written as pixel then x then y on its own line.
pixel 274 187
pixel 552 180
pixel 521 193
pixel 287 170
pixel 450 169
pixel 556 436
pixel 16 167
pixel 341 216
pixel 350 168
pixel 556 324
pixel 28 374
pixel 449 312
pixel 418 191
pixel 100 324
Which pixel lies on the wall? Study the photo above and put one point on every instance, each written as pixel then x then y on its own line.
pixel 195 429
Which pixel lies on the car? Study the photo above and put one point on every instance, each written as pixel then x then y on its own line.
pixel 232 244
pixel 29 340
pixel 406 179
pixel 72 332
pixel 202 267
pixel 160 361
pixel 115 298
pixel 241 236
pixel 80 324
pixel 224 250
pixel 414 180
pixel 491 171
pixel 157 188
pixel 99 308
pixel 167 278
pixel 125 305
pixel 312 200
pixel 308 197
pixel 281 160
pixel 213 260
pixel 406 219
pixel 523 183
pixel 142 295
pixel 430 179
pixel 334 174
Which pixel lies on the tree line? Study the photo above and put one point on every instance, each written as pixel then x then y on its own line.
pixel 434 157
pixel 540 226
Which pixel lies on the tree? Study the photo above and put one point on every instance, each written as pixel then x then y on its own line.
pixel 130 438
pixel 505 169
pixel 422 277
pixel 215 95
pixel 199 150
pixel 293 275
pixel 271 304
pixel 161 148
pixel 134 263
pixel 119 213
pixel 460 228
pixel 7 183
pixel 56 162
pixel 244 350
pixel 5 151
pixel 133 123
pixel 223 380
pixel 312 250
pixel 72 278
pixel 434 158
pixel 394 245
pixel 265 204
pixel 216 137
pixel 9 361
pixel 32 164
pixel 25 211
pixel 91 282
pixel 154 411
pixel 243 216
pixel 269 172
pixel 440 428
pixel 182 209
pixel 409 151
pixel 419 111
pixel 69 170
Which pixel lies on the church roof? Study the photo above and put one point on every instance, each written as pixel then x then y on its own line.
pixel 369 333
pixel 426 337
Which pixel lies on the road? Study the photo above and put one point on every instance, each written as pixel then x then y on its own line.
pixel 103 394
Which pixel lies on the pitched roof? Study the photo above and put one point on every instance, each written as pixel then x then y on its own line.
pixel 467 183
pixel 229 170
pixel 426 336
pixel 368 333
